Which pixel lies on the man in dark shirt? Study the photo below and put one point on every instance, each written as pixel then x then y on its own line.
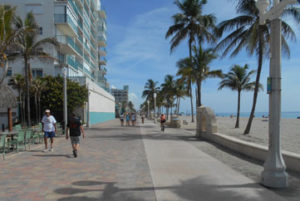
pixel 75 129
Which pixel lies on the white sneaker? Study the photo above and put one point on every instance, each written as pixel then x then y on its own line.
pixel 51 149
pixel 45 150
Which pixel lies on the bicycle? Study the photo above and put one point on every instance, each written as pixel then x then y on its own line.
pixel 162 126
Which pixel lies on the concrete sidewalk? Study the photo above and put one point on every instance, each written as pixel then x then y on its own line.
pixel 181 172
pixel 126 164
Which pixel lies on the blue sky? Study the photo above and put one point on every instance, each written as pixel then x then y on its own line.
pixel 137 50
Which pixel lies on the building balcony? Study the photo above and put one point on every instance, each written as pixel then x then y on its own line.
pixel 102 52
pixel 101 41
pixel 74 63
pixel 102 14
pixel 102 62
pixel 68 45
pixel 65 24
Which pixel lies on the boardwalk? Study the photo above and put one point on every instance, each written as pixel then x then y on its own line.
pixel 127 164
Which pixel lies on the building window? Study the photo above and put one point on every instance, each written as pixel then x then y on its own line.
pixel 34 8
pixel 41 30
pixel 9 72
pixel 37 73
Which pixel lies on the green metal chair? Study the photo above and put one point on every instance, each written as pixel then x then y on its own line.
pixel 59 129
pixel 20 141
pixel 17 127
pixel 28 138
pixel 36 135
pixel 3 145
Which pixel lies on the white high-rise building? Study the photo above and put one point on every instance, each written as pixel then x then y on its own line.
pixel 80 28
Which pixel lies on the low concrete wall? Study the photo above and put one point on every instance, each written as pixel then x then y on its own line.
pixel 259 152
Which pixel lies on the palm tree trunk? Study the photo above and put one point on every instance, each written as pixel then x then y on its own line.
pixel 39 110
pixel 27 91
pixel 36 108
pixel 20 106
pixel 237 123
pixel 260 62
pixel 167 113
pixel 199 93
pixel 196 92
pixel 23 109
pixel 4 72
pixel 178 106
pixel 191 93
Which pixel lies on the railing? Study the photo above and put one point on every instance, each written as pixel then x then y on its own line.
pixel 64 18
pixel 74 6
pixel 93 55
pixel 80 24
pixel 72 62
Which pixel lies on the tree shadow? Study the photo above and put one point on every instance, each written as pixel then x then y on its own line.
pixel 196 189
pixel 53 155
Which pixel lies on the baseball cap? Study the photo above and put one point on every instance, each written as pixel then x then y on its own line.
pixel 47 111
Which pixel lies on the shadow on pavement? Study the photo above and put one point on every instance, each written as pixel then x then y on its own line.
pixel 53 155
pixel 196 189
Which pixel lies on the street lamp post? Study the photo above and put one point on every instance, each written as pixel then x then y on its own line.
pixel 274 174
pixel 148 108
pixel 154 96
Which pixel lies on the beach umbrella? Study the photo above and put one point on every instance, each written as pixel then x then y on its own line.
pixel 7 100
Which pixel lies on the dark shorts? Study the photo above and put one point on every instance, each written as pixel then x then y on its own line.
pixel 75 139
pixel 49 134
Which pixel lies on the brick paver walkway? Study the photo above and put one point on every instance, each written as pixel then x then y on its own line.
pixel 112 166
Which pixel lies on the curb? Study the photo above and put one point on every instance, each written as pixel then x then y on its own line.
pixel 255 151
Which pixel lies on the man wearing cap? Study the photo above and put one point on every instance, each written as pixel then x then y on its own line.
pixel 49 128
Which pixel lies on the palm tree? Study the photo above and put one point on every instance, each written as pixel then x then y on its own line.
pixel 190 22
pixel 249 34
pixel 18 83
pixel 8 35
pixel 201 69
pixel 38 85
pixel 169 90
pixel 150 88
pixel 180 91
pixel 238 79
pixel 131 106
pixel 28 47
pixel 185 71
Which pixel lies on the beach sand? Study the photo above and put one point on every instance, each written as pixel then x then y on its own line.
pixel 290 131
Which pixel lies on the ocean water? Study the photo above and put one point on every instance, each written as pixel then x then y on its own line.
pixel 285 115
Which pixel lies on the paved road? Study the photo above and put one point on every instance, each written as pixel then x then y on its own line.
pixel 128 164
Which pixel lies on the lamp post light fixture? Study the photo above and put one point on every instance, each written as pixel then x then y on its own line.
pixel 274 174
pixel 148 108
pixel 154 96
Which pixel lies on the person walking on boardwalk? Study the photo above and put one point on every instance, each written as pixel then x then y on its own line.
pixel 122 119
pixel 133 119
pixel 127 119
pixel 162 122
pixel 143 118
pixel 49 128
pixel 74 129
